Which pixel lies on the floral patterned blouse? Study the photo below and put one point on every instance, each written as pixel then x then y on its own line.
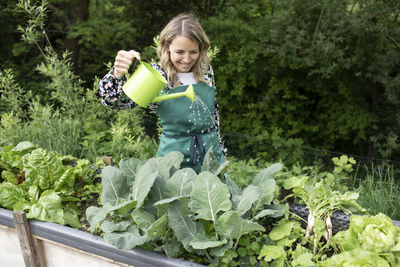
pixel 110 90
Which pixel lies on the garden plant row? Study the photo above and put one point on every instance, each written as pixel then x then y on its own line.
pixel 206 218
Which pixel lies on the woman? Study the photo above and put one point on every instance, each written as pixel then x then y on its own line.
pixel 191 128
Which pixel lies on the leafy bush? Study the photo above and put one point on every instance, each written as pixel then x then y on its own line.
pixel 321 72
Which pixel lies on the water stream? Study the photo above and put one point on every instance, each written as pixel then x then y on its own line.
pixel 200 116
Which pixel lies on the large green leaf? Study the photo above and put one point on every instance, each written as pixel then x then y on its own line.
pixel 302 257
pixel 295 181
pixel 115 186
pixel 281 230
pixel 267 173
pixel 210 162
pixel 144 180
pixel 10 194
pixel 10 177
pixel 71 218
pixel 166 200
pixel 271 252
pixel 67 180
pixel 12 156
pixel 109 227
pixel 157 191
pixel 358 257
pixel 42 168
pixel 171 247
pixel 202 242
pixel 126 240
pixel 158 228
pixel 168 164
pixel 129 167
pixel 95 214
pixel 184 227
pixel 220 251
pixel 33 193
pixel 209 196
pixel 8 157
pixel 235 190
pixel 267 188
pixel 48 208
pixel 24 146
pixel 142 218
pixel 265 181
pixel 156 194
pixel 231 225
pixel 180 184
pixel 250 194
pixel 273 211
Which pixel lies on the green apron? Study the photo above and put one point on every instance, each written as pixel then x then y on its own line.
pixel 189 127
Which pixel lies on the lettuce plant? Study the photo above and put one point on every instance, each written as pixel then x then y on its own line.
pixel 369 241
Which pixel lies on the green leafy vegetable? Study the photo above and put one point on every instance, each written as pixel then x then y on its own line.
pixel 42 168
pixel 115 186
pixel 231 225
pixel 38 182
pixel 209 196
pixel 178 207
pixel 370 240
pixel 10 194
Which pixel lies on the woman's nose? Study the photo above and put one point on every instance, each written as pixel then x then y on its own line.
pixel 186 57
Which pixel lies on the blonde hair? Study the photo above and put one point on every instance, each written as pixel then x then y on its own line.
pixel 188 26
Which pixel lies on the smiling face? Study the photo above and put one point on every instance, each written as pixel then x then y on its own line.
pixel 184 53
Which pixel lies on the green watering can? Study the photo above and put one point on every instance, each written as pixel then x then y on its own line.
pixel 145 84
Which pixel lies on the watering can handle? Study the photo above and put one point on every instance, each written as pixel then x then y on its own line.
pixel 123 56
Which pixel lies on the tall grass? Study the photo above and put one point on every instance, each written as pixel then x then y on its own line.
pixel 379 190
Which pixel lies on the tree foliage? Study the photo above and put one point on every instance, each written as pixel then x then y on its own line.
pixel 320 73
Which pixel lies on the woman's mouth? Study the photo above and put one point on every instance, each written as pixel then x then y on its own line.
pixel 185 65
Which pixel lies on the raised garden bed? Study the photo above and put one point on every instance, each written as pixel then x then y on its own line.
pixel 65 246
pixel 160 207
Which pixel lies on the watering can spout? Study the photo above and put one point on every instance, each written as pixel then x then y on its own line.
pixel 189 93
pixel 145 84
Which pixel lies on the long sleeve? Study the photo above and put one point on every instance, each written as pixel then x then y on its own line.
pixel 110 91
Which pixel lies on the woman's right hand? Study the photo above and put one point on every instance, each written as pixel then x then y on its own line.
pixel 123 60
